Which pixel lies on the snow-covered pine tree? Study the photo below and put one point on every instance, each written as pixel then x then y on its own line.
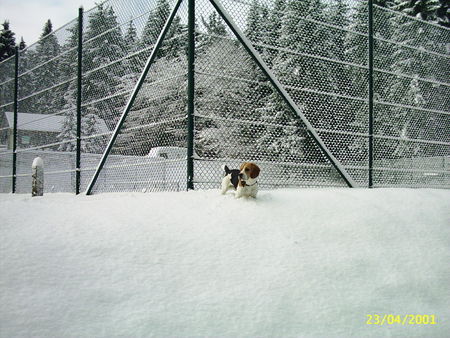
pixel 90 127
pixel 443 13
pixel 214 26
pixel 258 32
pixel 68 133
pixel 341 112
pixel 384 3
pixel 163 100
pixel 22 44
pixel 132 65
pixel 131 38
pixel 356 51
pixel 275 22
pixel 223 97
pixel 47 74
pixel 257 25
pixel 148 123
pixel 253 22
pixel 175 43
pixel 89 121
pixel 426 37
pixel 410 125
pixel 292 69
pixel 104 45
pixel 68 66
pixel 396 120
pixel 7 41
pixel 423 9
pixel 155 23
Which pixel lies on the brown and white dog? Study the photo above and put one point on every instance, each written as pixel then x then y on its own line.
pixel 242 180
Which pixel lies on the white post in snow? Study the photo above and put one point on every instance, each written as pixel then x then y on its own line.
pixel 37 177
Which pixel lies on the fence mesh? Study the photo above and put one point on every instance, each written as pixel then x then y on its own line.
pixel 318 51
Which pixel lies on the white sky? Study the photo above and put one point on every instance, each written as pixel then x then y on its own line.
pixel 27 17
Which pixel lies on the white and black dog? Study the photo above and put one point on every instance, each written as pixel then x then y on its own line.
pixel 243 180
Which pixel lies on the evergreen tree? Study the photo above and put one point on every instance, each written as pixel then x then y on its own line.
pixel 90 127
pixel 423 9
pixel 176 42
pixel 155 23
pixel 132 64
pixel 395 120
pixel 69 64
pixel 22 44
pixel 46 75
pixel 443 13
pixel 68 132
pixel 384 3
pixel 214 27
pixel 224 101
pixel 148 123
pixel 7 42
pixel 48 28
pixel 131 38
pixel 173 42
pixel 89 122
pixel 275 23
pixel 292 69
pixel 170 90
pixel 103 75
pixel 253 31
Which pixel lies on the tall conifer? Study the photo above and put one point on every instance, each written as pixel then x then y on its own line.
pixel 7 41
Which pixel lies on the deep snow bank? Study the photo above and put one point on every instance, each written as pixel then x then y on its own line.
pixel 291 263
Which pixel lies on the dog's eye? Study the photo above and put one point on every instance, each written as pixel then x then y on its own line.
pixel 246 169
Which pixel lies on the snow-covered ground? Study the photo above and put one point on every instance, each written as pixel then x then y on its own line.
pixel 298 262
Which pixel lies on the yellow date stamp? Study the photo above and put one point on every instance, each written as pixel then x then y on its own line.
pixel 410 319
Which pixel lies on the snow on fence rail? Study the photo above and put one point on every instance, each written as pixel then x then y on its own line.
pixel 317 51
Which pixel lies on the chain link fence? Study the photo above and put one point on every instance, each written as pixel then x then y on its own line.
pixel 318 51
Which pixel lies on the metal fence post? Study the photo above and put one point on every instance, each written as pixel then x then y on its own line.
pixel 16 93
pixel 133 96
pixel 79 79
pixel 191 95
pixel 370 79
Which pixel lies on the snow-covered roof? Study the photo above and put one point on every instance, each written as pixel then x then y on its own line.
pixel 45 123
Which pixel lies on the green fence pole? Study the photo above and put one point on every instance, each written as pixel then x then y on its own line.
pixel 371 45
pixel 16 94
pixel 79 79
pixel 191 95
pixel 133 96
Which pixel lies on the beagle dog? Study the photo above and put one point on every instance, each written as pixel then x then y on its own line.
pixel 242 180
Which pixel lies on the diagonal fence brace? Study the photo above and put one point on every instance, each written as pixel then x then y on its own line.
pixel 284 94
pixel 133 96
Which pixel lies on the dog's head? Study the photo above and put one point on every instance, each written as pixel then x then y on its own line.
pixel 248 170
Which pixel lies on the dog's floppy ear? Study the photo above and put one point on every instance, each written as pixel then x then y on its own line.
pixel 254 170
